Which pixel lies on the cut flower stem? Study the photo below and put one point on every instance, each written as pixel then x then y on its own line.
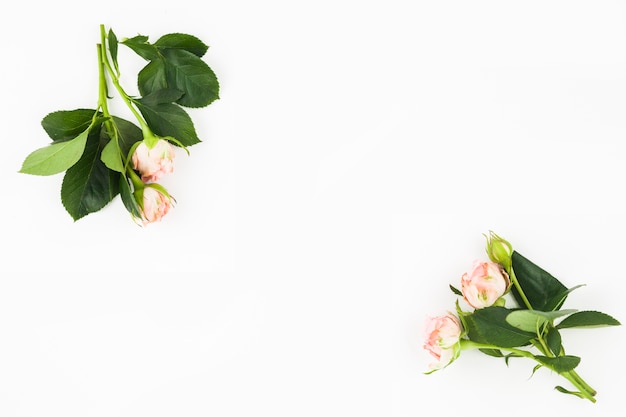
pixel 585 390
pixel 525 330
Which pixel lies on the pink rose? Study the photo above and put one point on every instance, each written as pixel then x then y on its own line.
pixel 442 340
pixel 484 284
pixel 154 205
pixel 153 162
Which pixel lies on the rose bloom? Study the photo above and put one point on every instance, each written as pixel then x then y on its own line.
pixel 486 282
pixel 153 162
pixel 154 206
pixel 442 340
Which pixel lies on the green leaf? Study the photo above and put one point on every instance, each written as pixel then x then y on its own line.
pixel 152 77
pixel 115 151
pixel 461 314
pixel 182 41
pixel 127 133
pixel 89 185
pixel 142 47
pixel 531 320
pixel 559 299
pixel 112 39
pixel 112 157
pixel 540 287
pixel 166 95
pixel 565 391
pixel 588 319
pixel 67 124
pixel 535 369
pixel 509 356
pixel 496 353
pixel 168 119
pixel 559 364
pixel 554 341
pixel 55 158
pixel 455 290
pixel 128 199
pixel 489 326
pixel 188 73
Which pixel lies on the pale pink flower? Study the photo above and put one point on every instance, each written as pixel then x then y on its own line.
pixel 154 205
pixel 484 284
pixel 153 162
pixel 442 337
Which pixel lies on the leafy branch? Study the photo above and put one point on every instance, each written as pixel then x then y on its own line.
pixel 94 147
pixel 531 329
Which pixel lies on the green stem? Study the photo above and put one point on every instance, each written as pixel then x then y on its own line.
pixel 585 390
pixel 540 347
pixel 519 288
pixel 102 96
pixel 468 344
pixel 137 182
pixel 582 382
pixel 116 83
pixel 102 84
pixel 582 386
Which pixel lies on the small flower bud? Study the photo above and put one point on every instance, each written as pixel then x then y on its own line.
pixel 154 203
pixel 499 250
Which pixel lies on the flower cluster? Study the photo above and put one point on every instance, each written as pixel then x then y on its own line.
pixel 103 155
pixel 151 162
pixel 529 329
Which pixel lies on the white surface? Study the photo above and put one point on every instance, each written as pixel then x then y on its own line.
pixel 357 154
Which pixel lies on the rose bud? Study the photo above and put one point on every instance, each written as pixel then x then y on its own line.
pixel 499 250
pixel 485 284
pixel 153 162
pixel 154 202
pixel 442 339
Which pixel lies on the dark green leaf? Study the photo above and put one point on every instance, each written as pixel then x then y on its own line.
pixel 142 47
pixel 559 299
pixel 128 134
pixel 152 77
pixel 161 96
pixel 559 364
pixel 540 287
pixel 113 48
pixel 168 119
pixel 553 339
pixel 509 356
pixel 588 319
pixel 67 124
pixel 182 41
pixel 489 326
pixel 496 353
pixel 129 201
pixel 188 73
pixel 456 291
pixel 89 185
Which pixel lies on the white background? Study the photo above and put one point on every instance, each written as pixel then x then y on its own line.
pixel 357 154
